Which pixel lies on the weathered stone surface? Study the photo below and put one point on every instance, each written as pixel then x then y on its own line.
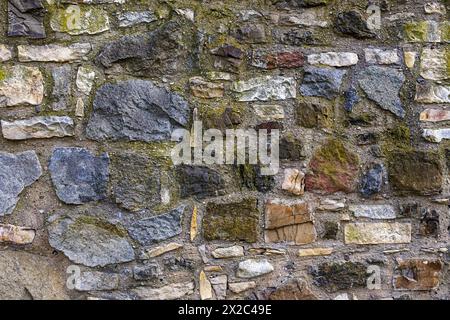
pixel 38 128
pixel 301 4
pixel 308 18
pixel 293 290
pixel 353 24
pixel 61 87
pixel 132 18
pixel 294 181
pixel 380 56
pixel 322 82
pixel 252 178
pixel 204 89
pixel 160 250
pixel 166 50
pixel 434 115
pixel 410 58
pixel 334 59
pixel 219 285
pixel 97 281
pixel 200 182
pixel 158 228
pixel 335 276
pixel 135 181
pixel 434 7
pixel 26 18
pixel 434 64
pixel 136 110
pixel 53 52
pixel 16 234
pixel 85 79
pixel 381 211
pixel 228 252
pixel 289 223
pixel 315 252
pixel 252 268
pixel 5 53
pixel 79 176
pixel 17 171
pixel 28 276
pixel 331 205
pixel 268 112
pixel 205 287
pixel 415 172
pixel 436 135
pixel 333 168
pixel 19 84
pixel 417 274
pixel 277 59
pixel 315 115
pixel 77 20
pixel 238 287
pixel 88 240
pixel 265 89
pixel 432 93
pixel 235 221
pixel 383 85
pixel 169 292
pixel 372 180
pixel 429 223
pixel 148 271
pixel 291 148
pixel 377 233
pixel 250 33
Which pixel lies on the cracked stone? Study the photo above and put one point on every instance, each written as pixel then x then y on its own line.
pixel 38 128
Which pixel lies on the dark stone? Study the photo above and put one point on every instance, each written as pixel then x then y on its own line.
pixel 331 229
pixel 362 120
pixel 410 210
pixel 372 181
pixel 26 18
pixel 251 33
pixel 158 228
pixel 351 98
pixel 178 263
pixel 367 138
pixel 170 49
pixel 228 51
pixel 222 120
pixel 315 115
pixel 300 3
pixel 235 221
pixel 79 176
pixel 383 85
pixel 322 82
pixel 339 276
pixel 61 87
pixel 295 37
pixel 136 110
pixel 135 181
pixel 148 271
pixel 252 179
pixel 429 224
pixel 416 172
pixel 200 182
pixel 447 158
pixel 270 125
pixel 352 23
pixel 291 148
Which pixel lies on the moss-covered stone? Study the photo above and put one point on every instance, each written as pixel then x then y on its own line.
pixel 416 31
pixel 76 20
pixel 315 115
pixel 291 148
pixel 252 179
pixel 340 276
pixel 397 138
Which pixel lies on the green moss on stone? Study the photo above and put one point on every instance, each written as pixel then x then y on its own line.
pixel 416 31
pixel 397 138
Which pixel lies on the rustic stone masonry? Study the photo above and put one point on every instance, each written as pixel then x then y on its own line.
pixel 92 207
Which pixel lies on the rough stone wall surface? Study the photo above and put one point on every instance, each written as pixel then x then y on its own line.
pixel 92 207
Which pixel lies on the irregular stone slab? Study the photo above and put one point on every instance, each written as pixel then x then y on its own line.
pixel 78 176
pixel 169 292
pixel 352 23
pixel 373 211
pixel 62 77
pixel 26 18
pixel 268 112
pixel 434 7
pixel 158 228
pixel 250 33
pixel 19 84
pixel 77 20
pixel 377 233
pixel 97 281
pixel 331 205
pixel 168 50
pixel 228 252
pixel 315 115
pixel 16 234
pixel 219 285
pixel 136 110
pixel 434 115
pixel 418 274
pixel 265 88
pixel 277 59
pixel 53 52
pixel 294 181
pixel 322 82
pixel 335 276
pixel 252 268
pixel 235 221
pixel 17 171
pixel 436 135
pixel 24 275
pixel 89 240
pixel 416 172
pixel 434 64
pixel 204 89
pixel 160 250
pixel 85 79
pixel 296 289
pixel 432 93
pixel 200 182
pixel 205 287
pixel 380 56
pixel 5 53
pixel 315 252
pixel 333 154
pixel 372 180
pixel 238 287
pixel 334 59
pixel 306 18
pixel 383 85
pixel 38 128
pixel 149 271
pixel 410 58
pixel 132 18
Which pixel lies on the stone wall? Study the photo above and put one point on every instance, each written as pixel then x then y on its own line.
pixel 92 207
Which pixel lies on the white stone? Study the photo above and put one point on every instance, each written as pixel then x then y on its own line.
pixel 187 13
pixel 252 268
pixel 131 18
pixel 266 88
pixel 239 287
pixel 5 53
pixel 410 58
pixel 79 108
pixel 85 79
pixel 373 211
pixel 331 205
pixel 19 85
pixel 96 281
pixel 307 18
pixel 53 52
pixel 377 233
pixel 15 234
pixel 436 135
pixel 432 93
pixel 434 7
pixel 433 64
pixel 228 252
pixel 380 56
pixel 294 181
pixel 169 292
pixel 38 128
pixel 334 59
pixel 269 112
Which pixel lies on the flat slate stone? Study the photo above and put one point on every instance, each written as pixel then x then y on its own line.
pixel 322 82
pixel 16 172
pixel 26 18
pixel 372 180
pixel 38 128
pixel 136 110
pixel 200 182
pixel 79 176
